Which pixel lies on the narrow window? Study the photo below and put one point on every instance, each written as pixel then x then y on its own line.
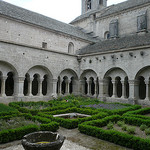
pixel 89 5
pixel 100 2
pixel 44 45
pixel 142 22
pixel 70 48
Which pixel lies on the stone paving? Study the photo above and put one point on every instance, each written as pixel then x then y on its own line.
pixel 74 141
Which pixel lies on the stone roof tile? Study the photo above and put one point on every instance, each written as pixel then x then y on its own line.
pixel 25 15
pixel 117 44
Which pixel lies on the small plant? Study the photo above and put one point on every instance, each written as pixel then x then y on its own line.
pixel 143 127
pixel 120 123
pixel 124 127
pixel 147 131
pixel 131 130
pixel 110 125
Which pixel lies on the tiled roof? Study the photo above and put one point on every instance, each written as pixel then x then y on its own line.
pixel 22 14
pixel 117 44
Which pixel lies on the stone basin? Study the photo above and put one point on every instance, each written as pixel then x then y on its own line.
pixel 43 140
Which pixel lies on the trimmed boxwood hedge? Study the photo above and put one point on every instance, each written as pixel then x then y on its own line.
pixel 93 128
pixel 16 134
pixel 73 123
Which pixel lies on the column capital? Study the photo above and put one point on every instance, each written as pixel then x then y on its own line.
pixel 135 82
pixel 55 80
pixel 147 82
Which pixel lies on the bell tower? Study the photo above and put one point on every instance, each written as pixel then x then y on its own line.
pixel 88 5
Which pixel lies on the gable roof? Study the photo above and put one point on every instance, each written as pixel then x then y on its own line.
pixel 117 44
pixel 113 9
pixel 25 15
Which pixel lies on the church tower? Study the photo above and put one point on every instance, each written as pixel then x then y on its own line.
pixel 88 5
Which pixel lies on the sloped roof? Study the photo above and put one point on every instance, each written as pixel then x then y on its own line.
pixel 113 9
pixel 117 44
pixel 24 15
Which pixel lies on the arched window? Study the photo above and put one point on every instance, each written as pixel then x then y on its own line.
pixel 9 88
pixel 44 85
pixel 89 4
pixel 35 85
pixel 71 48
pixel 106 35
pixel 26 82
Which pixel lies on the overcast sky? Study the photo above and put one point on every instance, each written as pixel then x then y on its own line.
pixel 62 10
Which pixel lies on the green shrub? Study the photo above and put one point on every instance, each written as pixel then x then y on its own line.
pixel 53 126
pixel 124 127
pixel 147 131
pixel 110 125
pixel 130 130
pixel 143 127
pixel 120 123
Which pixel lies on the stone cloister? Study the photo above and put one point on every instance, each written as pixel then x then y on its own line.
pixel 39 82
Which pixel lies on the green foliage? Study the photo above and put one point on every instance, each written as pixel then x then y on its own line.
pixel 53 126
pixel 124 127
pixel 16 134
pixel 143 127
pixel 147 131
pixel 93 128
pixel 120 123
pixel 110 125
pixel 131 130
pixel 6 109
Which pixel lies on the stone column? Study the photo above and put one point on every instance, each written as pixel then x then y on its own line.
pixel 103 89
pixel 21 86
pixel 95 95
pixel 54 82
pixel 123 89
pixel 89 88
pixel 30 87
pixel 59 87
pixel 3 86
pixel 40 87
pixel 67 87
pixel 147 89
pixel 133 91
pixel 114 82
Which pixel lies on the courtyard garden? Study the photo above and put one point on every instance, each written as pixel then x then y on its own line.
pixel 123 124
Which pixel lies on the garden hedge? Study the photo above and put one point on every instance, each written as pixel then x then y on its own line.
pixel 94 128
pixel 16 134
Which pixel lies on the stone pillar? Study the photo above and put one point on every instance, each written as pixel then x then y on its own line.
pixel 114 82
pixel 67 87
pixel 3 86
pixel 59 87
pixel 123 89
pixel 103 89
pixel 147 89
pixel 89 88
pixel 30 87
pixel 95 95
pixel 20 84
pixel 54 82
pixel 40 87
pixel 133 91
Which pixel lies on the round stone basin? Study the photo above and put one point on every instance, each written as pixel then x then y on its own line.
pixel 43 140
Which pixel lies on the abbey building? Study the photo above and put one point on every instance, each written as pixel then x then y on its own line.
pixel 103 53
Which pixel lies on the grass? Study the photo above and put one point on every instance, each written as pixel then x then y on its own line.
pixel 5 108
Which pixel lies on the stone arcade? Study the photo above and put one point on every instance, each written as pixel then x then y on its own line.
pixel 103 53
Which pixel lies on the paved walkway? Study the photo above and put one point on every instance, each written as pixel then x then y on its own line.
pixel 74 141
